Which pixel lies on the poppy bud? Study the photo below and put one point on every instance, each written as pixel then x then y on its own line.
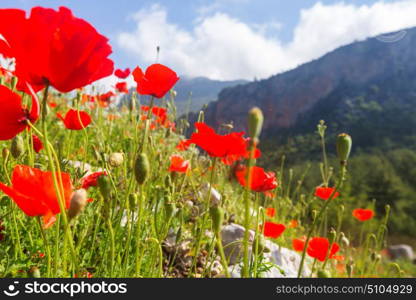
pixel 255 122
pixel 5 154
pixel 78 202
pixel 14 82
pixel 17 148
pixel 34 272
pixel 344 143
pixel 104 186
pixel 116 159
pixel 133 200
pixel 323 274
pixel 217 216
pixel 261 244
pixel 141 168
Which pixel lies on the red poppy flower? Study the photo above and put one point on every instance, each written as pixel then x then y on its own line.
pixel 54 47
pixel 298 244
pixel 325 192
pixel 261 181
pixel 270 212
pixel 33 191
pixel 122 74
pixel 156 81
pixel 37 143
pixel 362 214
pixel 183 145
pixel 293 224
pixel 105 99
pixel 230 159
pixel 217 145
pixel 122 87
pixel 13 116
pixel 178 164
pixel 318 248
pixel 75 120
pixel 91 180
pixel 273 230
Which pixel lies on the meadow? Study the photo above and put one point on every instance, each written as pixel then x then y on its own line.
pixel 92 189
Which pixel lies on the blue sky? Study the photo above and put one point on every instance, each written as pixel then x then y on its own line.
pixel 230 39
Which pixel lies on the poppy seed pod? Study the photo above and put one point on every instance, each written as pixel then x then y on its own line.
pixel 217 216
pixel 255 122
pixel 116 159
pixel 141 168
pixel 78 202
pixel 344 143
pixel 17 148
pixel 104 186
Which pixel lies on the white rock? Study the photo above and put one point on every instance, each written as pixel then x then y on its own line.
pixel 285 261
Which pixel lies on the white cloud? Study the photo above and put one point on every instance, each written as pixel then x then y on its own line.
pixel 223 47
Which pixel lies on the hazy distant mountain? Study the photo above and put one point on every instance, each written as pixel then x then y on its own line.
pixel 380 72
pixel 193 93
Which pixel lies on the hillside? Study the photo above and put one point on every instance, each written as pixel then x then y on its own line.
pixel 286 98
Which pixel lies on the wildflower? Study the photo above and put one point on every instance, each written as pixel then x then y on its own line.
pixel 121 87
pixel 293 224
pixel 270 212
pixel 362 214
pixel 122 74
pixel 75 120
pixel 298 244
pixel 53 47
pixel 273 230
pixel 217 145
pixel 37 143
pixel 178 164
pixel 230 159
pixel 104 100
pixel 33 191
pixel 325 192
pixel 13 116
pixel 261 181
pixel 318 248
pixel 91 179
pixel 183 145
pixel 156 81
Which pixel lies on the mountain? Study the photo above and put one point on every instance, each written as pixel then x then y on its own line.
pixel 193 93
pixel 377 69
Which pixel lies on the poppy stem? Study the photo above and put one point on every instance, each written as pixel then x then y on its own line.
pixel 45 243
pixel 57 178
pixel 247 216
pixel 318 217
